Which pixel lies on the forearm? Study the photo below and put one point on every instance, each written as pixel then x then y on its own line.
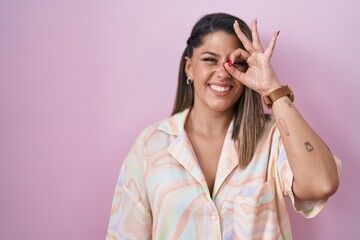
pixel 312 163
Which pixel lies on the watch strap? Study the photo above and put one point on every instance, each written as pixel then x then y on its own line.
pixel 278 93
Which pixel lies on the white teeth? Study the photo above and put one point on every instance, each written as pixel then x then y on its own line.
pixel 220 89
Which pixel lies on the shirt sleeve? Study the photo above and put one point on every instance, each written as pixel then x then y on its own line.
pixel 130 214
pixel 308 209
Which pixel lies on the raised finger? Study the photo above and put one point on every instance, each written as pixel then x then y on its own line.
pixel 255 36
pixel 239 53
pixel 270 49
pixel 243 38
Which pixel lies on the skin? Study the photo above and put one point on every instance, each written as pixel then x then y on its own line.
pixel 212 112
pixel 315 171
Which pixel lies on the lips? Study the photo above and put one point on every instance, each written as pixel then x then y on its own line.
pixel 220 90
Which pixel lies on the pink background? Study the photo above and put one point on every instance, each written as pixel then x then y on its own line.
pixel 79 80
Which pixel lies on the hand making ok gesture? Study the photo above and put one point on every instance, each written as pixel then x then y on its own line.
pixel 260 75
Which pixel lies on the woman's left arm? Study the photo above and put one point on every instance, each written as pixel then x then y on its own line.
pixel 313 165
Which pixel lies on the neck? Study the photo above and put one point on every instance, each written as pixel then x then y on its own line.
pixel 208 123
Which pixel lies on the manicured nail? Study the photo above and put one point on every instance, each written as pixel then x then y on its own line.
pixel 278 33
pixel 230 63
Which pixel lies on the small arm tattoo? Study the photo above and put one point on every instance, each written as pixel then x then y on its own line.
pixel 308 146
pixel 289 103
pixel 284 126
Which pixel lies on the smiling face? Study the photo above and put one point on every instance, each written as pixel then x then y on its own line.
pixel 214 88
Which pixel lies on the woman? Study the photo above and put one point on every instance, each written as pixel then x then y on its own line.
pixel 219 168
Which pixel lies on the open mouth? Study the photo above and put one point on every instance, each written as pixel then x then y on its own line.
pixel 220 89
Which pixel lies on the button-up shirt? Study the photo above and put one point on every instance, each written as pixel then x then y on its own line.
pixel 162 193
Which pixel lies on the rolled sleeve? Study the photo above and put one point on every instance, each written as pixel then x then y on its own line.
pixel 308 209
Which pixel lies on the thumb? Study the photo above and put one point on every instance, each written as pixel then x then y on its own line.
pixel 235 73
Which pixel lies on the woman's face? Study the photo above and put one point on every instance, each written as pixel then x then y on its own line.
pixel 214 87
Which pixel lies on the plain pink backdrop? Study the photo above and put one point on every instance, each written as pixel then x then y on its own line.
pixel 79 79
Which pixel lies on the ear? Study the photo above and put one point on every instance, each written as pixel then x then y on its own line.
pixel 189 68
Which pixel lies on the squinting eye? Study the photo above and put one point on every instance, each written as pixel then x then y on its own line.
pixel 211 60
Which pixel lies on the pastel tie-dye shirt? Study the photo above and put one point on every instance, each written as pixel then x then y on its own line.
pixel 161 192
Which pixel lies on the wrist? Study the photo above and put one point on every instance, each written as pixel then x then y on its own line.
pixel 275 94
pixel 271 89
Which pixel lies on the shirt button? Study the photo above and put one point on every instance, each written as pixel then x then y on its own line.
pixel 213 217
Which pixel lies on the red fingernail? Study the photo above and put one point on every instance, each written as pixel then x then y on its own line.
pixel 278 33
pixel 230 63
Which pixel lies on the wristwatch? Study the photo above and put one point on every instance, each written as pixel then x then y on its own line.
pixel 278 93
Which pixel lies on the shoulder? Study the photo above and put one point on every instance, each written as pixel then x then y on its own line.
pixel 159 134
pixel 171 126
pixel 146 139
pixel 150 133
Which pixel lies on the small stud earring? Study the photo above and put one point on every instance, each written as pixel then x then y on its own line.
pixel 189 81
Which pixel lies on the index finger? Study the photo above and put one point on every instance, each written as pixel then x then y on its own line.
pixel 243 38
pixel 239 53
pixel 255 36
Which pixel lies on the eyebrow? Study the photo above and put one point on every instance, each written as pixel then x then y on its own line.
pixel 211 53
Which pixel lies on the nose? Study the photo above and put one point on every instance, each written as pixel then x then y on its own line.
pixel 222 73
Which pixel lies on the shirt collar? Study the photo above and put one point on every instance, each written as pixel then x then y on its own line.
pixel 180 148
pixel 175 125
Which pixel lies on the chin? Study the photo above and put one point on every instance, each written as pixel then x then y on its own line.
pixel 222 107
